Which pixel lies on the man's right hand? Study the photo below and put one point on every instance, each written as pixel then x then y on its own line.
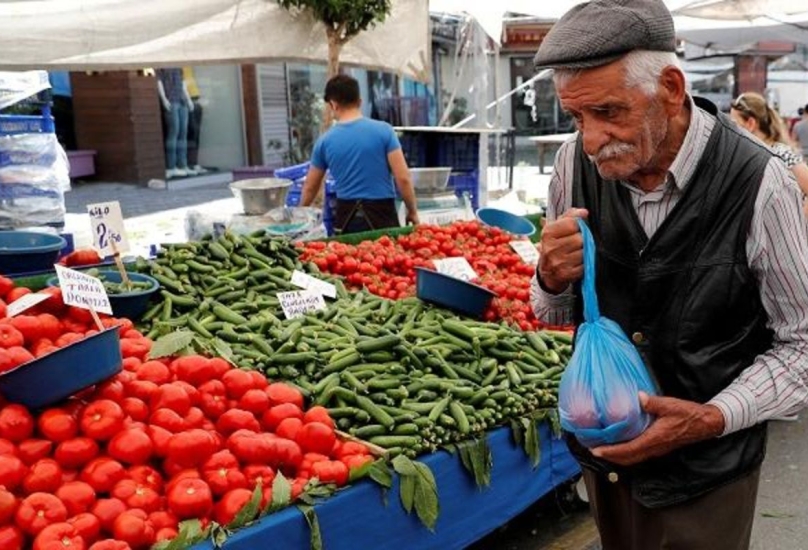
pixel 562 252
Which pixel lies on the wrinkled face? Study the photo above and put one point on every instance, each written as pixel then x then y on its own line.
pixel 622 127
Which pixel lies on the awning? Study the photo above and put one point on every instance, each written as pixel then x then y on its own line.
pixel 131 34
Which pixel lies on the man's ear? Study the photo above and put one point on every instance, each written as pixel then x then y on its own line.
pixel 672 89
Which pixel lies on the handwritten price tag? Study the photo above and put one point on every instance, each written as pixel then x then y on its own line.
pixel 456 267
pixel 82 290
pixel 300 302
pixel 25 302
pixel 108 230
pixel 527 251
pixel 307 282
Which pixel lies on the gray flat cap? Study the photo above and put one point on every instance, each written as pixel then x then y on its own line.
pixel 601 31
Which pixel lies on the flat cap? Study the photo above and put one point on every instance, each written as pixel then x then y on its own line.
pixel 601 31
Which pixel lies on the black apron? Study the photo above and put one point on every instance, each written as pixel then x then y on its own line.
pixel 355 216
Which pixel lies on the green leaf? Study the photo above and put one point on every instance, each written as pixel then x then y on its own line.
pixel 224 350
pixel 518 432
pixel 451 448
pixel 249 511
pixel 426 496
pixel 406 491
pixel 193 531
pixel 163 544
pixel 476 458
pixel 218 535
pixel 381 474
pixel 171 344
pixel 532 444
pixel 358 473
pixel 281 494
pixel 555 423
pixel 404 466
pixel 314 526
pixel 777 515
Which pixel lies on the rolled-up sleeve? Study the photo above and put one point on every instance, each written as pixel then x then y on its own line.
pixel 556 309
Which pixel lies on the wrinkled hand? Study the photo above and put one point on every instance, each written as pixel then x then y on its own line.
pixel 677 423
pixel 412 217
pixel 562 251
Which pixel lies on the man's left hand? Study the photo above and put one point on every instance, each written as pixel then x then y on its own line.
pixel 677 423
pixel 412 218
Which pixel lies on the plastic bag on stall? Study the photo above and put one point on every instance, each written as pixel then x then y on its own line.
pixel 598 397
pixel 299 223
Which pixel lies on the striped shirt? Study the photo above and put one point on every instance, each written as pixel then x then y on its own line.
pixel 776 383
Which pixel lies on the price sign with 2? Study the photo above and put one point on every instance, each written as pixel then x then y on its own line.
pixel 109 234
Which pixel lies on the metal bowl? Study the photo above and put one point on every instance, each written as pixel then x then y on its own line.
pixel 430 180
pixel 261 195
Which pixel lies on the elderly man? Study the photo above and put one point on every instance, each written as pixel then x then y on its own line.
pixel 702 258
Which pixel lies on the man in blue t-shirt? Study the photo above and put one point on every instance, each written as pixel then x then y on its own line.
pixel 364 157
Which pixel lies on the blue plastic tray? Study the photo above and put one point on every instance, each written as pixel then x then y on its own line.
pixel 55 377
pixel 28 251
pixel 131 305
pixel 451 292
pixel 513 224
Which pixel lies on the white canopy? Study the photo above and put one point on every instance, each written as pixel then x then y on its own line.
pixel 122 34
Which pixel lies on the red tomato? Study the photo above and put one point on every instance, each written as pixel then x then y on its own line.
pixel 280 393
pixel 133 528
pixel 102 419
pixel 11 538
pixel 136 495
pixel 131 447
pixel 154 371
pixel 77 496
pixel 230 505
pixel 190 498
pixel 316 437
pixel 237 419
pixel 8 506
pixel 32 450
pixel 163 520
pixel 45 476
pixel 289 428
pixel 87 525
pixel 168 420
pixel 318 414
pixel 39 510
pixel 275 415
pixel 102 474
pixel 135 409
pixel 191 447
pixel 160 437
pixel 16 423
pixel 146 476
pixel 12 472
pixel 59 536
pixel 255 401
pixel 172 397
pixel 57 425
pixel 75 453
pixel 10 337
pixel 213 399
pixel 237 382
pixel 221 473
pixel 106 510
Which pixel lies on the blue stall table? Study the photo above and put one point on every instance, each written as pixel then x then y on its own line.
pixel 357 518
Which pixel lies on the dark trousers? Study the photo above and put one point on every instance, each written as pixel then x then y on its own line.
pixel 355 216
pixel 719 520
pixel 194 131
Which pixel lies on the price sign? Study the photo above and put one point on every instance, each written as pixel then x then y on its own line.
pixel 527 251
pixel 109 234
pixel 307 282
pixel 25 302
pixel 82 290
pixel 299 302
pixel 456 267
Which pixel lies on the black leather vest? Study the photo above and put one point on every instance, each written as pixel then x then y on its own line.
pixel 688 299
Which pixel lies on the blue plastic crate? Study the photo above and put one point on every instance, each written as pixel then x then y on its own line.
pixel 12 125
pixel 293 198
pixel 466 183
pixel 293 173
pixel 460 151
pixel 415 149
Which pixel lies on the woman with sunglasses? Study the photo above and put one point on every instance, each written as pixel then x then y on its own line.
pixel 750 111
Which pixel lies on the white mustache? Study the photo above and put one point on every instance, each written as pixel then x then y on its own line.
pixel 611 150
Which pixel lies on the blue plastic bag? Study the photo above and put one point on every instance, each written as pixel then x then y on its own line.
pixel 598 398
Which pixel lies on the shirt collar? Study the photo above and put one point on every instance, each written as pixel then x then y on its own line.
pixel 693 146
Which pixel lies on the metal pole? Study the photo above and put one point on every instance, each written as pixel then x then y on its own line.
pixel 524 84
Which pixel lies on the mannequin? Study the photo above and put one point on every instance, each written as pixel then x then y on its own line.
pixel 177 103
pixel 194 121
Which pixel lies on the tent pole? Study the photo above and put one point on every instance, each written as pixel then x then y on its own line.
pixel 500 99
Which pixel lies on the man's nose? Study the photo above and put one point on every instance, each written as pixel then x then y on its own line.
pixel 595 138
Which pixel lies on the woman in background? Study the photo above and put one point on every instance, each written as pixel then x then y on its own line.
pixel 750 111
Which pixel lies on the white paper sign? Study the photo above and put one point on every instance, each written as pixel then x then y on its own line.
pixel 82 290
pixel 300 302
pixel 527 251
pixel 458 267
pixel 25 302
pixel 307 282
pixel 109 235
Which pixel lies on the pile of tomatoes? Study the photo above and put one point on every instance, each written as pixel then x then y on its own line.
pixel 165 440
pixel 386 267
